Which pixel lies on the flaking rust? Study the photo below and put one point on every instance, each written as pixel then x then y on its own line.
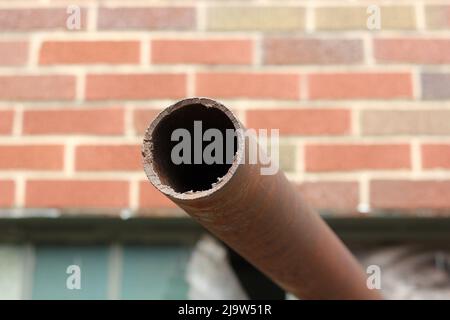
pixel 262 217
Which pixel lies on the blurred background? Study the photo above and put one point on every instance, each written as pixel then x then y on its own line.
pixel 360 91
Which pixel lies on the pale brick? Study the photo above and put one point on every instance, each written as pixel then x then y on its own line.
pixel 256 18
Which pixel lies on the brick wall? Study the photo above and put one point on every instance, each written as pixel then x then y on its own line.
pixel 364 115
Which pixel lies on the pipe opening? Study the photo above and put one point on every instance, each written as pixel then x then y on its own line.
pixel 189 176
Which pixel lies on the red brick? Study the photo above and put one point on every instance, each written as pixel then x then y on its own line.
pixel 301 122
pixel 13 53
pixel 156 18
pixel 108 157
pixel 347 157
pixel 248 85
pixel 151 198
pixel 135 86
pixel 34 87
pixel 30 19
pixel 360 86
pixel 289 50
pixel 105 121
pixel 142 119
pixel 31 157
pixel 421 51
pixel 435 156
pixel 89 52
pixel 76 194
pixel 405 194
pixel 6 121
pixel 6 193
pixel 202 51
pixel 332 195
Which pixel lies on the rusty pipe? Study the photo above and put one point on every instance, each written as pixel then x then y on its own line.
pixel 262 217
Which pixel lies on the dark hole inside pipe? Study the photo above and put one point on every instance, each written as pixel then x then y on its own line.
pixel 186 177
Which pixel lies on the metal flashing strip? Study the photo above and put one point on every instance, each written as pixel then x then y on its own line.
pixel 76 229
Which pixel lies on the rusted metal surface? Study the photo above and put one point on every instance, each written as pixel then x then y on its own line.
pixel 262 217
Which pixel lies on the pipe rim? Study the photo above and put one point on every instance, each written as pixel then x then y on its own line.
pixel 147 147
